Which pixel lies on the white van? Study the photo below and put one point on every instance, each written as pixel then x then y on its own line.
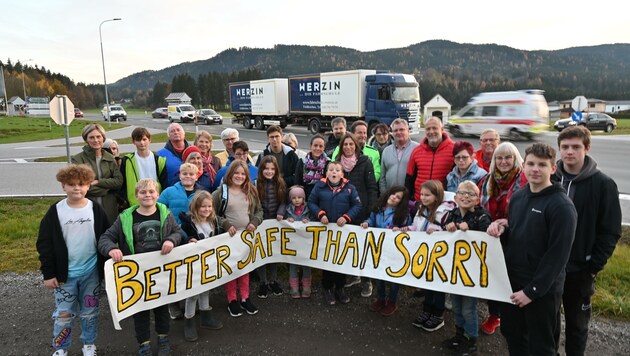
pixel 514 114
pixel 181 112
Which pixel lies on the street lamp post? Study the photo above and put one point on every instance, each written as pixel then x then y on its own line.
pixel 24 84
pixel 103 59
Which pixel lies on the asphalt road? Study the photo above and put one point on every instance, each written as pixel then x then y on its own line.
pixel 609 151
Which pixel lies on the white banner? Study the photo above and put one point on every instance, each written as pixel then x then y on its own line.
pixel 466 263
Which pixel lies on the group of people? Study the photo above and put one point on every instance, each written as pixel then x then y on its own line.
pixel 558 221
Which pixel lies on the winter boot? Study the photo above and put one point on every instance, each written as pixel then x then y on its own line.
pixel 190 330
pixel 294 284
pixel 306 287
pixel 209 322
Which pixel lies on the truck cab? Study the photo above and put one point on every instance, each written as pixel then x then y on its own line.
pixel 391 96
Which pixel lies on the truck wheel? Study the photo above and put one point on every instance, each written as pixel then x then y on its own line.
pixel 455 131
pixel 314 126
pixel 170 119
pixel 609 128
pixel 247 122
pixel 258 123
pixel 515 135
pixel 283 124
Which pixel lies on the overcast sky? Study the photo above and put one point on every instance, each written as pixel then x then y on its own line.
pixel 63 35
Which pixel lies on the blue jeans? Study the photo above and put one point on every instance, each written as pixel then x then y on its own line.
pixel 78 296
pixel 465 314
pixel 393 291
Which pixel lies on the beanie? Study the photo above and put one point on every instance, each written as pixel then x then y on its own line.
pixel 188 151
pixel 296 191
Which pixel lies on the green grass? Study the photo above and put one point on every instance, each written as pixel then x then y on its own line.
pixel 19 225
pixel 25 129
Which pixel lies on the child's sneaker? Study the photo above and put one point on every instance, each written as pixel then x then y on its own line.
pixel 389 309
pixel 89 350
pixel 456 341
pixel 175 311
pixel 164 346
pixel 366 289
pixel 235 309
pixel 468 346
pixel 329 296
pixel 249 307
pixel 352 280
pixel 145 349
pixel 434 323
pixel 490 325
pixel 377 305
pixel 341 296
pixel 275 288
pixel 263 290
pixel 61 352
pixel 421 319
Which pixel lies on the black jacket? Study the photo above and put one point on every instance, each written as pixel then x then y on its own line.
pixel 479 220
pixel 52 249
pixel 331 144
pixel 289 163
pixel 362 177
pixel 190 228
pixel 538 241
pixel 596 200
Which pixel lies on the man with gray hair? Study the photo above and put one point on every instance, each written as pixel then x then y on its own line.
pixel 395 157
pixel 173 150
pixel 228 137
pixel 489 141
pixel 338 125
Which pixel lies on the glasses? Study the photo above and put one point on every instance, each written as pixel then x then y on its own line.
pixel 466 194
pixel 485 140
pixel 504 159
pixel 461 158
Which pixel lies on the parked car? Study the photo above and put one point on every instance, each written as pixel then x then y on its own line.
pixel 78 112
pixel 592 121
pixel 116 112
pixel 160 113
pixel 209 116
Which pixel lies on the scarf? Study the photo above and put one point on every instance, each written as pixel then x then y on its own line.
pixel 348 163
pixel 501 181
pixel 314 168
pixel 207 166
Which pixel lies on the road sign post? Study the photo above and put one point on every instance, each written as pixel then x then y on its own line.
pixel 62 112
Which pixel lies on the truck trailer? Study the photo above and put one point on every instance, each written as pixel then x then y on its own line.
pixel 313 100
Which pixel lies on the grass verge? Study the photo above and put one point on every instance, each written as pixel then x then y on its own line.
pixel 27 129
pixel 19 225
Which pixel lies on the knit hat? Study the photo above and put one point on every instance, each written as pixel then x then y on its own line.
pixel 188 151
pixel 296 191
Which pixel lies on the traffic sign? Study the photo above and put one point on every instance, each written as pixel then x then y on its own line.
pixel 61 110
pixel 576 116
pixel 579 103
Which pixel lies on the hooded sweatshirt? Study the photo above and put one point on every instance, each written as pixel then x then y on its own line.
pixel 596 200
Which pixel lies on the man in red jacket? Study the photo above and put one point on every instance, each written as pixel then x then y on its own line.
pixel 432 159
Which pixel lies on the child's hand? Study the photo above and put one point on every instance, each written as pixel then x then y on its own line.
pixel 463 226
pixel 167 247
pixel 305 220
pixel 51 283
pixel 341 221
pixel 250 227
pixel 497 228
pixel 403 229
pixel 116 255
pixel 232 231
pixel 451 227
pixel 430 230
pixel 192 240
pixel 291 220
pixel 279 217
pixel 324 220
pixel 364 225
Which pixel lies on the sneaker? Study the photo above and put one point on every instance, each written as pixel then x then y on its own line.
pixel 275 288
pixel 490 325
pixel 455 342
pixel 249 307
pixel 329 296
pixel 235 309
pixel 366 289
pixel 89 350
pixel 263 290
pixel 467 347
pixel 434 323
pixel 421 319
pixel 175 311
pixel 389 309
pixel 164 346
pixel 377 305
pixel 341 296
pixel 61 352
pixel 145 349
pixel 352 281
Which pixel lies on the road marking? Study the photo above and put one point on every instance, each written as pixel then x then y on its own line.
pixel 624 196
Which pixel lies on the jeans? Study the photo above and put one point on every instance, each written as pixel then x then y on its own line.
pixel 78 296
pixel 191 304
pixel 293 271
pixel 381 286
pixel 142 323
pixel 465 314
pixel 434 302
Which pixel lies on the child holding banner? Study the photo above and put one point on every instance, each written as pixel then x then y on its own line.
pixel 201 222
pixel 236 196
pixel 431 211
pixel 142 228
pixel 391 211
pixel 272 194
pixel 467 216
pixel 334 199
pixel 70 262
pixel 298 210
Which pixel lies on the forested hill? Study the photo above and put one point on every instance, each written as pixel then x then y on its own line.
pixel 456 71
